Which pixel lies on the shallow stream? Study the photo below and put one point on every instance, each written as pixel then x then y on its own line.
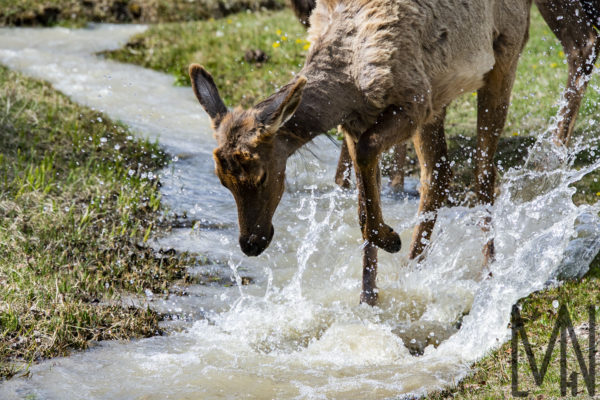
pixel 297 330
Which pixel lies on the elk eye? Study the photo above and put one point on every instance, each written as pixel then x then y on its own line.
pixel 263 179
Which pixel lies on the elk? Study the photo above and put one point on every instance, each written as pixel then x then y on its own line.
pixel 383 71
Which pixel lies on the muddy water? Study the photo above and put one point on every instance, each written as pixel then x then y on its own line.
pixel 297 331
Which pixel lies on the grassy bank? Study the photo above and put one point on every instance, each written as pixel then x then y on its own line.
pixel 78 198
pixel 80 12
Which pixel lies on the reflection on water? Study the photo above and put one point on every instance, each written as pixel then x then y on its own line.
pixel 297 330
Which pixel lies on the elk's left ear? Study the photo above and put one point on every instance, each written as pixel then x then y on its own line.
pixel 280 108
pixel 207 93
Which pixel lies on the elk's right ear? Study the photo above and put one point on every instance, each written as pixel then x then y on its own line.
pixel 207 93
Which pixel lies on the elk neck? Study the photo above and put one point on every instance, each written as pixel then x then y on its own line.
pixel 330 98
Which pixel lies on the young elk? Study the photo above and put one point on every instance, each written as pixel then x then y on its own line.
pixel 384 71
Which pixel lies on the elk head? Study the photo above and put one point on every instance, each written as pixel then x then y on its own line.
pixel 250 160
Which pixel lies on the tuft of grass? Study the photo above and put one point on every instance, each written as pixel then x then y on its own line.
pixel 78 198
pixel 78 12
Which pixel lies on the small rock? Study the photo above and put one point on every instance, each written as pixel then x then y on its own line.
pixel 256 56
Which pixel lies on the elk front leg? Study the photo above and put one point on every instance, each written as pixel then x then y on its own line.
pixel 365 155
pixel 493 100
pixel 369 293
pixel 581 44
pixel 430 145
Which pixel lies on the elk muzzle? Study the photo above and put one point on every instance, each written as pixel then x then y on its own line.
pixel 254 244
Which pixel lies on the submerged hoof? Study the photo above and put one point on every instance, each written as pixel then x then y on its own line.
pixel 369 297
pixel 397 184
pixel 386 239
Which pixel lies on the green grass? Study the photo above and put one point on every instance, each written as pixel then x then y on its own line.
pixel 63 242
pixel 80 12
pixel 77 201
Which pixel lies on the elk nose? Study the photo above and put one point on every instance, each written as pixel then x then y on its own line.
pixel 254 244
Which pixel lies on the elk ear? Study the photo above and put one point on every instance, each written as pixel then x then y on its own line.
pixel 279 109
pixel 207 93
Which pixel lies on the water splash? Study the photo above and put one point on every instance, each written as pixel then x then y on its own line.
pixel 298 330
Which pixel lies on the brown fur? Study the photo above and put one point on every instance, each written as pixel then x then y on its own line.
pixel 384 71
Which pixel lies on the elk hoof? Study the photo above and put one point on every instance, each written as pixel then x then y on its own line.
pixel 385 238
pixel 369 297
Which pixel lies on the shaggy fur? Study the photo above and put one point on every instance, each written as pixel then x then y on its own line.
pixel 374 41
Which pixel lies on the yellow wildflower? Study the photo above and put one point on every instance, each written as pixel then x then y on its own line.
pixel 515 134
pixel 561 53
pixel 276 45
pixel 474 94
pixel 306 46
pixel 598 194
pixel 284 38
pixel 553 65
pixel 229 21
pixel 278 32
pixel 299 41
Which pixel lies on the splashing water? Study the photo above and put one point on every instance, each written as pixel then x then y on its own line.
pixel 298 331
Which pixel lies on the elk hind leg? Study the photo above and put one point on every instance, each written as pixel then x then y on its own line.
pixel 397 167
pixel 493 100
pixel 430 145
pixel 344 167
